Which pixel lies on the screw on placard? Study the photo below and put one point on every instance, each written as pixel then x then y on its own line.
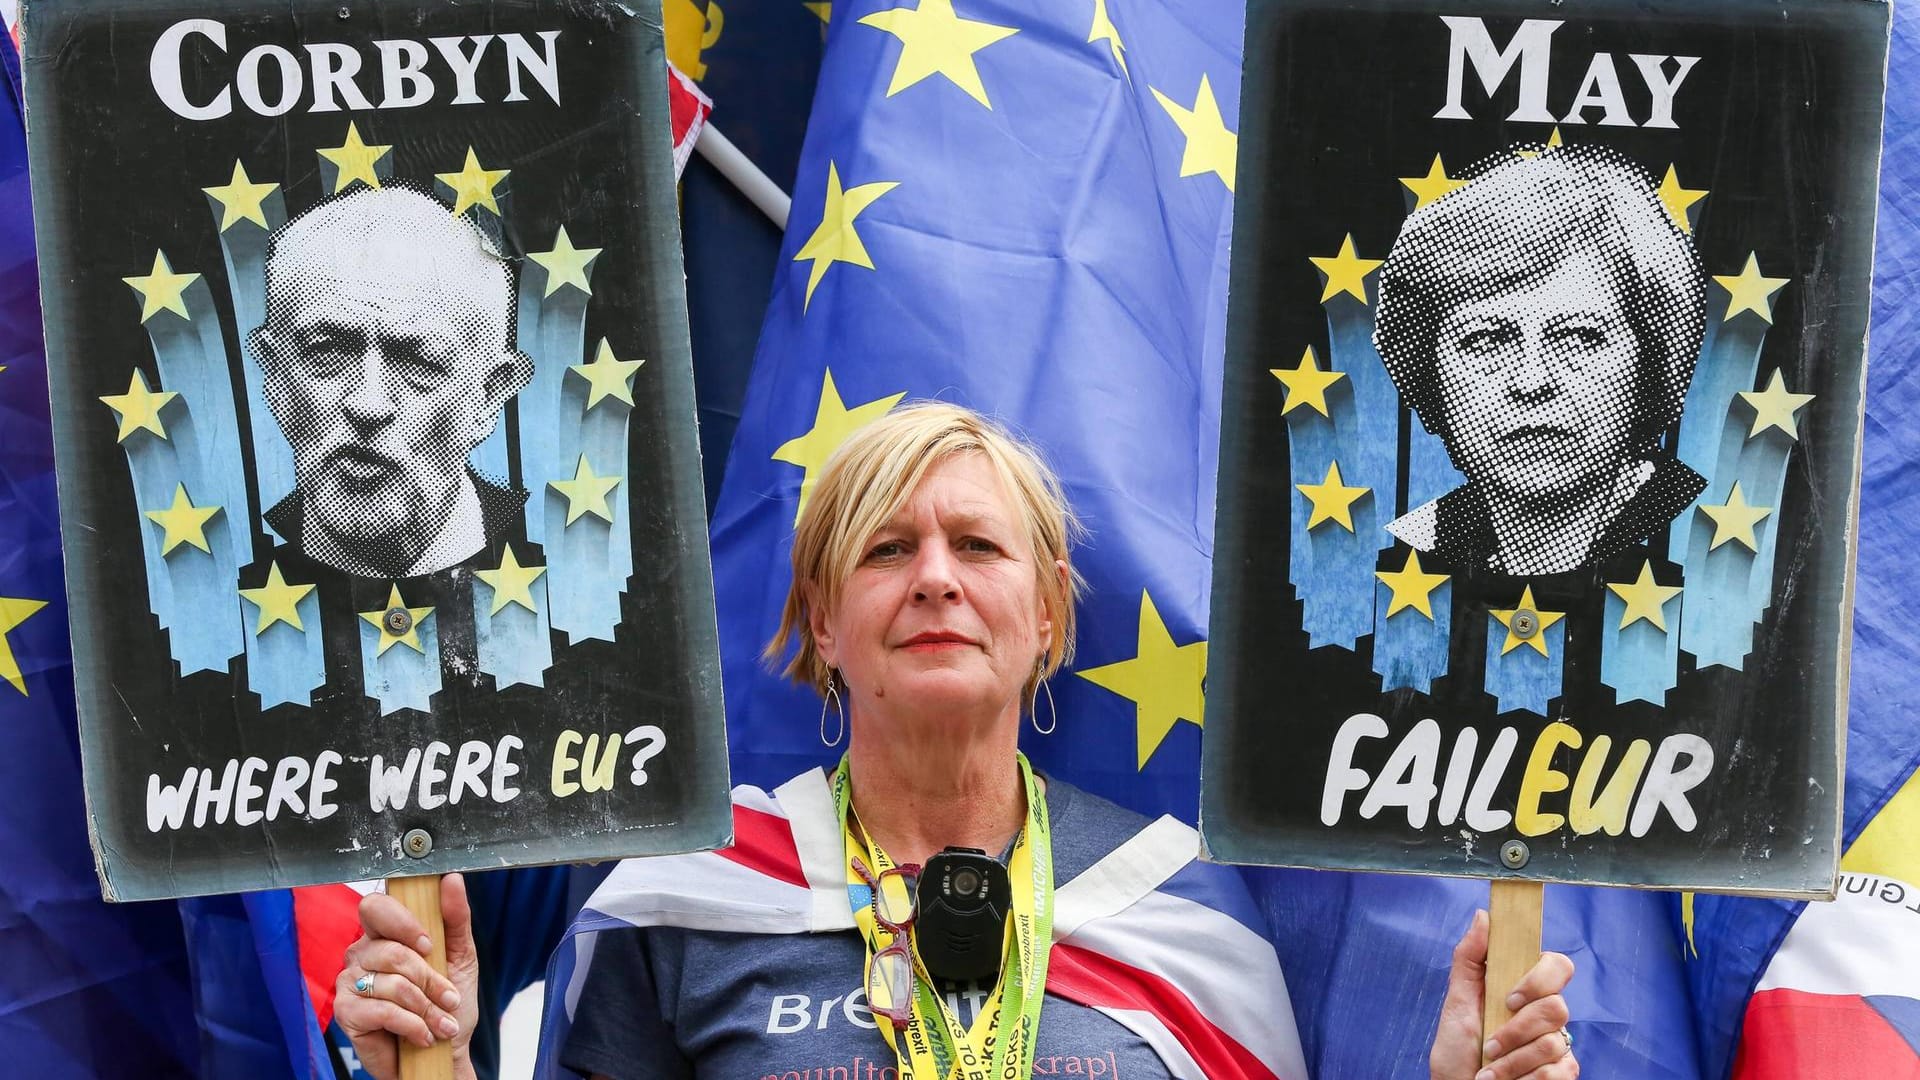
pixel 1514 853
pixel 343 13
pixel 417 843
pixel 1525 623
pixel 399 620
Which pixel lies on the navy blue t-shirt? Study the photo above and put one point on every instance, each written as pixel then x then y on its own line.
pixel 668 1004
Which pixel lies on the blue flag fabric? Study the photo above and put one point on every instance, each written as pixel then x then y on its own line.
pixel 1735 938
pixel 86 990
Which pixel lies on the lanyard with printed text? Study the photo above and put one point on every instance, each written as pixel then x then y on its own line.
pixel 935 1045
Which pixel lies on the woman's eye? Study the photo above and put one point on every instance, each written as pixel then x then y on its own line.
pixel 979 546
pixel 888 549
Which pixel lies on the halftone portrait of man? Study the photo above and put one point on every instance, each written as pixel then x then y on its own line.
pixel 388 355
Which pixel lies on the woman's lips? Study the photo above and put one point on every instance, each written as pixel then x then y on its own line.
pixel 936 641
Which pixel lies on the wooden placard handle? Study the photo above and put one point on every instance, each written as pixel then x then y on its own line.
pixel 421 895
pixel 1513 945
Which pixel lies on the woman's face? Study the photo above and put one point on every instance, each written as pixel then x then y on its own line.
pixel 1538 386
pixel 943 615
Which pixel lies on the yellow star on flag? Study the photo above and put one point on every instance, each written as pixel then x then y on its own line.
pixel 240 199
pixel 1164 680
pixel 565 264
pixel 1644 598
pixel 1331 499
pixel 184 522
pixel 13 612
pixel 935 41
pixel 139 408
pixel 835 239
pixel 388 639
pixel 1431 186
pixel 822 8
pixel 1104 30
pixel 1735 519
pixel 1750 290
pixel 278 601
pixel 161 289
pixel 1307 384
pixel 473 186
pixel 1211 148
pixel 1774 407
pixel 832 423
pixel 1412 587
pixel 1679 199
pixel 586 493
pixel 511 582
pixel 607 377
pixel 1541 620
pixel 1346 272
pixel 354 160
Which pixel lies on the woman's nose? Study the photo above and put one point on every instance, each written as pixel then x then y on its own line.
pixel 1530 374
pixel 934 576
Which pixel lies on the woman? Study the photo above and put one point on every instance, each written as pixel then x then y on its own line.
pixel 1544 321
pixel 932 594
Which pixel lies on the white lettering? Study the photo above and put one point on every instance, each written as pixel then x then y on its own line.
pixel 218 798
pixel 469 770
pixel 1667 786
pixel 1653 70
pixel 388 786
pixel 404 83
pixel 1481 817
pixel 1342 777
pixel 790 1013
pixel 1407 778
pixel 432 776
pixel 164 67
pixel 167 804
pixel 520 57
pixel 250 790
pixel 1531 48
pixel 318 808
pixel 292 82
pixel 1600 87
pixel 464 66
pixel 334 66
pixel 504 769
pixel 288 777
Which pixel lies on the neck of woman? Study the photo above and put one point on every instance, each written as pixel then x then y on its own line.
pixel 1553 539
pixel 922 786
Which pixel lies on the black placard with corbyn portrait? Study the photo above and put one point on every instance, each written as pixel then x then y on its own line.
pixel 374 429
pixel 1539 438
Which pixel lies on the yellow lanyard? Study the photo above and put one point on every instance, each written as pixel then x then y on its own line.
pixel 934 1045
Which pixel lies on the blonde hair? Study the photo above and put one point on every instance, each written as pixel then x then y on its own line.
pixel 866 482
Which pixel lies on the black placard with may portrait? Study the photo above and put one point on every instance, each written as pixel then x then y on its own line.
pixel 1540 425
pixel 374 426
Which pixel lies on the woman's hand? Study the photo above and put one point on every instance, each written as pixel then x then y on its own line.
pixel 1530 1046
pixel 408 999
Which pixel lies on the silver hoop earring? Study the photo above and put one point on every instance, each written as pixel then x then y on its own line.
pixel 838 711
pixel 1034 712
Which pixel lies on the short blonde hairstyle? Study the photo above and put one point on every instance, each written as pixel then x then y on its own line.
pixel 866 482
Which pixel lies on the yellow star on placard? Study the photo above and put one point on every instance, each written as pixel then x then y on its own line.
pixel 1750 290
pixel 354 160
pixel 586 493
pixel 473 186
pixel 1679 199
pixel 822 8
pixel 1774 407
pixel 1412 587
pixel 1542 620
pixel 565 264
pixel 184 522
pixel 1645 599
pixel 835 239
pixel 832 423
pixel 139 408
pixel 607 377
pixel 1431 186
pixel 1104 30
pixel 1346 272
pixel 935 41
pixel 162 289
pixel 1211 148
pixel 278 601
pixel 13 612
pixel 1307 385
pixel 1553 142
pixel 388 639
pixel 240 199
pixel 1331 499
pixel 511 582
pixel 1735 519
pixel 1164 680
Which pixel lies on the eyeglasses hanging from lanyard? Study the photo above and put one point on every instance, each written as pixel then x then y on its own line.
pixel 890 970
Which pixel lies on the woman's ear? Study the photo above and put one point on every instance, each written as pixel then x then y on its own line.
pixel 820 627
pixel 1046 623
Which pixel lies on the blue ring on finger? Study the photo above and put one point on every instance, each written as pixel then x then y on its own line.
pixel 364 984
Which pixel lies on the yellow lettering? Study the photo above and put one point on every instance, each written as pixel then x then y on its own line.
pixel 1541 778
pixel 596 770
pixel 564 763
pixel 1610 812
